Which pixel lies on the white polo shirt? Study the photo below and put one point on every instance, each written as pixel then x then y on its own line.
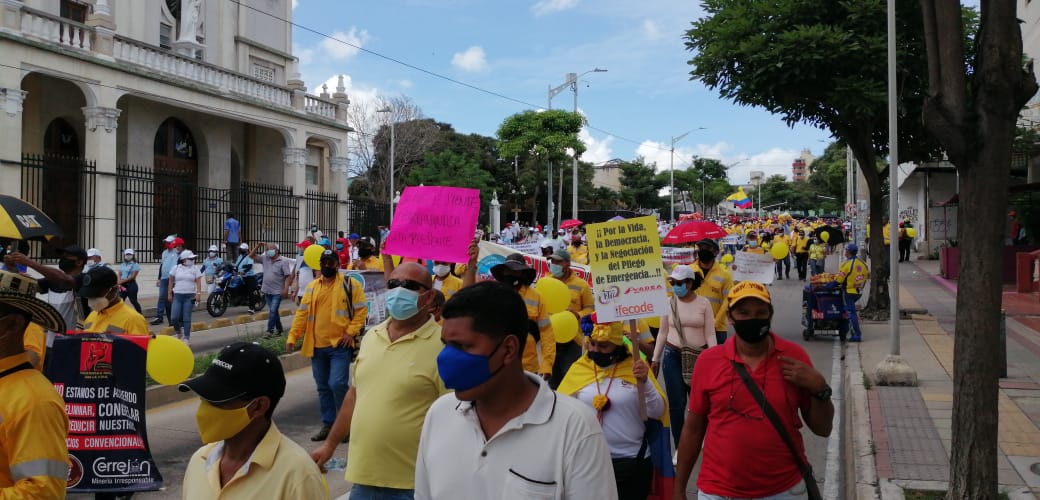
pixel 554 450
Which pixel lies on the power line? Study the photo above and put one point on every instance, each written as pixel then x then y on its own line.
pixel 426 71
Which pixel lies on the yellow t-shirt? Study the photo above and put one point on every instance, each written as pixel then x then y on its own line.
pixel 448 286
pixel 579 255
pixel 120 319
pixel 35 341
pixel 537 312
pixel 323 302
pixel 818 251
pixel 396 383
pixel 278 468
pixel 857 273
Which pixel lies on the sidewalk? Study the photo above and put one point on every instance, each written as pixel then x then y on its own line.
pixel 908 429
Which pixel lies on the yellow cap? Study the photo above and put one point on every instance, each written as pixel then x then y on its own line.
pixel 748 290
pixel 612 332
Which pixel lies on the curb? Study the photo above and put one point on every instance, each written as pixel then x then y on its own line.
pixel 162 395
pixel 864 485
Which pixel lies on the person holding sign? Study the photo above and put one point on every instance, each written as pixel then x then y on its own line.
pixel 253 459
pixel 517 274
pixel 503 433
pixel 580 305
pixel 752 244
pixel 34 459
pixel 611 380
pixel 684 335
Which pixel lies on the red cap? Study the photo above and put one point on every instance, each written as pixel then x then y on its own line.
pixel 304 244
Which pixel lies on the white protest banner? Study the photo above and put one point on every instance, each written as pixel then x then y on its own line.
pixel 753 267
pixel 628 274
pixel 493 253
pixel 529 247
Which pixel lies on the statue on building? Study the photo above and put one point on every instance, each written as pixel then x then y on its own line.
pixel 191 18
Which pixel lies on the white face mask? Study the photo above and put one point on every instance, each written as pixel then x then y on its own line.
pixel 441 270
pixel 128 258
pixel 213 254
pixel 98 303
pixel 189 262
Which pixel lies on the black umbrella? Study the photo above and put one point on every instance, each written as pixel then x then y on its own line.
pixel 836 235
pixel 22 221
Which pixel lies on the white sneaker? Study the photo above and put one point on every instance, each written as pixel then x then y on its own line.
pixel 187 341
pixel 675 458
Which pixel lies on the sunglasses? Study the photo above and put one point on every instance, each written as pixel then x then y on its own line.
pixel 412 285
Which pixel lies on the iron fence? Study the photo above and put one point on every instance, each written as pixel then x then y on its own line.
pixel 271 214
pixel 323 210
pixel 365 217
pixel 62 187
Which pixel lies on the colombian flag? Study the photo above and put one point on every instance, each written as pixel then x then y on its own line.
pixel 740 199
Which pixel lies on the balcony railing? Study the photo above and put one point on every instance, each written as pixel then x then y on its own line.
pixel 68 34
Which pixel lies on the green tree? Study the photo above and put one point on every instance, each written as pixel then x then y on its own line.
pixel 447 168
pixel 640 187
pixel 541 138
pixel 972 110
pixel 820 62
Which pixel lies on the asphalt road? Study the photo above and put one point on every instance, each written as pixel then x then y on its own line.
pixel 173 436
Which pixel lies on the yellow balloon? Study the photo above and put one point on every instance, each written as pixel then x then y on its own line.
pixel 564 325
pixel 779 250
pixel 911 232
pixel 726 259
pixel 169 360
pixel 825 236
pixel 555 295
pixel 312 256
pixel 654 322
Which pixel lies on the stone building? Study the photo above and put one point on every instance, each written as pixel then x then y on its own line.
pixel 127 120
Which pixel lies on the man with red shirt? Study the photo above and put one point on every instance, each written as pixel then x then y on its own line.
pixel 744 455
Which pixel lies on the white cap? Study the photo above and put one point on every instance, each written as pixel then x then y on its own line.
pixel 170 238
pixel 213 248
pixel 128 251
pixel 93 252
pixel 547 244
pixel 186 254
pixel 683 273
pixel 244 246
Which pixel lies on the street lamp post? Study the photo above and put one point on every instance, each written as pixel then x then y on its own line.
pixel 572 82
pixel 388 110
pixel 671 172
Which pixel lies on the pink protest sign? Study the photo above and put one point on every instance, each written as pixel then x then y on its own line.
pixel 435 223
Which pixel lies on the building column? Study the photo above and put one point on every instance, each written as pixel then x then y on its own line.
pixel 11 16
pixel 100 146
pixel 296 176
pixel 11 140
pixel 340 165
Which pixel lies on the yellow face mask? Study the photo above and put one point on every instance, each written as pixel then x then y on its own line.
pixel 217 424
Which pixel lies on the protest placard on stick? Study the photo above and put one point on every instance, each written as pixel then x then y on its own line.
pixel 627 271
pixel 435 223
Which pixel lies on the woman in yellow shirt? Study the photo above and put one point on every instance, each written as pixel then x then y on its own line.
pixel 817 256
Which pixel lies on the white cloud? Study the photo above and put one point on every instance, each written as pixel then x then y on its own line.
pixel 543 7
pixel 473 59
pixel 596 151
pixel 336 49
pixel 650 29
pixel 774 161
pixel 405 84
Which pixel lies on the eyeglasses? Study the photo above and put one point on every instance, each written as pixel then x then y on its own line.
pixel 412 285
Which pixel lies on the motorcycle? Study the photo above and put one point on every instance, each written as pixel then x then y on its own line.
pixel 230 290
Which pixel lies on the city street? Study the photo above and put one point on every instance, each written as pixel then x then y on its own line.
pixel 173 437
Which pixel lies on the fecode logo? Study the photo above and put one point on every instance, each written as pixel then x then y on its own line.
pixel 608 295
pixel 121 468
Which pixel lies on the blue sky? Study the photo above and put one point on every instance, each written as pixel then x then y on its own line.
pixel 519 47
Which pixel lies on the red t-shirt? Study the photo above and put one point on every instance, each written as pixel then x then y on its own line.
pixel 744 457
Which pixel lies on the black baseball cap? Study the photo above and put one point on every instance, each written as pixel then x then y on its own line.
pixel 714 245
pixel 73 251
pixel 242 370
pixel 97 282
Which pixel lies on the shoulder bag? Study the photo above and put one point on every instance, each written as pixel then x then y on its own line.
pixel 807 473
pixel 688 354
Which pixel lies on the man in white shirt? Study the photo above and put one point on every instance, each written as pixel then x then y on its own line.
pixel 508 434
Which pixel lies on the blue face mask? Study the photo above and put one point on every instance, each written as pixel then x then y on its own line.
pixel 556 270
pixel 339 246
pixel 462 371
pixel 269 254
pixel 402 303
pixel 680 290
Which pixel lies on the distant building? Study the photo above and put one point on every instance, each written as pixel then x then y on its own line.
pixel 800 166
pixel 608 174
pixel 127 121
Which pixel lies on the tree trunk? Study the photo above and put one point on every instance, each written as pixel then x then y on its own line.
pixel 977 130
pixel 878 299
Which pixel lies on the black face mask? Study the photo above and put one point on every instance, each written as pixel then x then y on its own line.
pixel 705 256
pixel 328 272
pixel 66 264
pixel 605 359
pixel 752 331
pixel 364 254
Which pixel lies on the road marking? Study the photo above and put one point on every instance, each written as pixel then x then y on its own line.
pixel 832 472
